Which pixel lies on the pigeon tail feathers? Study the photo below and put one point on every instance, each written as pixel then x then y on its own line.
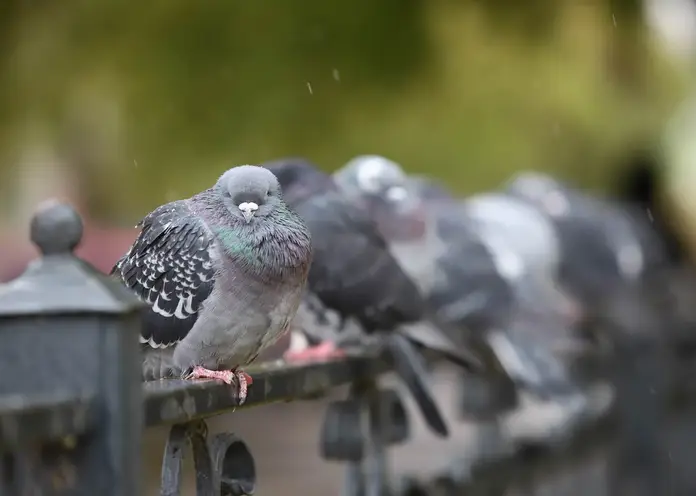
pixel 532 365
pixel 430 336
pixel 410 367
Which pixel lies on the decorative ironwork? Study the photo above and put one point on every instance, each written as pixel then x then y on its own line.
pixel 176 401
pixel 224 465
pixel 69 332
pixel 358 431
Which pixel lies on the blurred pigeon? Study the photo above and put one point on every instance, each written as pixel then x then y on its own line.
pixel 223 273
pixel 603 245
pixel 483 264
pixel 380 184
pixel 543 318
pixel 355 278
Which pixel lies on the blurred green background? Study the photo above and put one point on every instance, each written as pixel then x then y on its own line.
pixel 130 104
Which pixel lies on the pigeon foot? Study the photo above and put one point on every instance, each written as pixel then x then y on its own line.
pixel 242 379
pixel 323 351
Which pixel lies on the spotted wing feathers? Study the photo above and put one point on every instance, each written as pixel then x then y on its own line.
pixel 170 268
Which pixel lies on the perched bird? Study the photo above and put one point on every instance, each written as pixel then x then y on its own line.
pixel 381 186
pixel 484 264
pixel 223 273
pixel 356 280
pixel 543 318
pixel 604 245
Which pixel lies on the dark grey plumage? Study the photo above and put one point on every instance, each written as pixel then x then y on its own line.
pixel 526 250
pixel 222 272
pixel 478 262
pixel 604 245
pixel 355 277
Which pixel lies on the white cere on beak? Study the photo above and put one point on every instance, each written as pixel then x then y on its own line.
pixel 397 193
pixel 248 209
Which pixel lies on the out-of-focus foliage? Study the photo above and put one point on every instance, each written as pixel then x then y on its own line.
pixel 150 100
pixel 679 152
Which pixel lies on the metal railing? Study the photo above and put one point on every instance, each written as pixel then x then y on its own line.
pixel 73 407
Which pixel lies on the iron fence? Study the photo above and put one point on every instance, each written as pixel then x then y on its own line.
pixel 73 407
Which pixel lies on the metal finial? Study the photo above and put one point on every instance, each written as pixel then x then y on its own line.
pixel 56 228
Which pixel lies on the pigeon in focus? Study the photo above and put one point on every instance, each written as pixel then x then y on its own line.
pixel 483 264
pixel 354 278
pixel 222 273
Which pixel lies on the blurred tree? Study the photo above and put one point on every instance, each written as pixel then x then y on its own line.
pixel 534 22
pixel 149 101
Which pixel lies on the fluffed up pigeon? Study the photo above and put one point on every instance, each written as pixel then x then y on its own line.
pixel 542 323
pixel 223 273
pixel 478 262
pixel 604 245
pixel 354 276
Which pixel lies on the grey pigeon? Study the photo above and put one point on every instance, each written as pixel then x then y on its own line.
pixel 355 281
pixel 479 263
pixel 604 245
pixel 542 324
pixel 223 273
pixel 381 185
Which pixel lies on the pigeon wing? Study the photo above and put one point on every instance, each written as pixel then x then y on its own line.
pixel 470 291
pixel 353 270
pixel 170 268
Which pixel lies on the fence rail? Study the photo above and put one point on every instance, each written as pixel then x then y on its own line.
pixel 72 406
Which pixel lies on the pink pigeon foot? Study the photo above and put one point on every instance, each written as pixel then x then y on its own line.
pixel 323 351
pixel 242 379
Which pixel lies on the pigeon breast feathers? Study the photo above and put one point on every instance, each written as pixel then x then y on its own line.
pixel 170 268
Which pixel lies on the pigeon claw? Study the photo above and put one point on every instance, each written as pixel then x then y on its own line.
pixel 241 378
pixel 323 351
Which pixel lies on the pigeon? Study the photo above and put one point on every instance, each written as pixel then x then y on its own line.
pixel 543 319
pixel 604 245
pixel 483 264
pixel 380 185
pixel 355 283
pixel 222 274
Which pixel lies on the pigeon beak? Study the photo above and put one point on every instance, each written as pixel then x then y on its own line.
pixel 248 210
pixel 248 214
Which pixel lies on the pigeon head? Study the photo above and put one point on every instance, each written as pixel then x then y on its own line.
pixel 542 191
pixel 518 226
pixel 384 190
pixel 374 178
pixel 249 192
